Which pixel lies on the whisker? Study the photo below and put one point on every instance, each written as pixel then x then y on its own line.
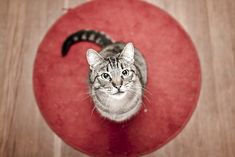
pixel 85 98
pixel 92 111
pixel 85 95
pixel 145 96
pixel 145 89
pixel 144 105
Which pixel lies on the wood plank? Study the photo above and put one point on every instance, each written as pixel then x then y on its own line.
pixel 23 132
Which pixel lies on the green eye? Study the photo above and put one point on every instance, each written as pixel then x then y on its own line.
pixel 125 72
pixel 105 76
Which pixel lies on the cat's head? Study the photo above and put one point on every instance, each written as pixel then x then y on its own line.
pixel 113 76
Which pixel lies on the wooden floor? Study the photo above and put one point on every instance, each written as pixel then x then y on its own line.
pixel 209 133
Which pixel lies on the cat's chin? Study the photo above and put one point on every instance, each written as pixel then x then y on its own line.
pixel 120 117
pixel 118 95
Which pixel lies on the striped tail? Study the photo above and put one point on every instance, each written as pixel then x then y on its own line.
pixel 85 35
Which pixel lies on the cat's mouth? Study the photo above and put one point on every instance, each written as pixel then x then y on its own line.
pixel 119 93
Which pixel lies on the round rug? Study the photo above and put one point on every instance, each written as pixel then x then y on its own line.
pixel 174 79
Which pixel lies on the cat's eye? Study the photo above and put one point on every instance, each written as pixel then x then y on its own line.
pixel 125 72
pixel 105 76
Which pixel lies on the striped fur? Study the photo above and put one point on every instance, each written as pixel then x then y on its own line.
pixel 118 75
pixel 113 63
pixel 85 35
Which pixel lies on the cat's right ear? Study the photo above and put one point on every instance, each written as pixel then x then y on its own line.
pixel 93 58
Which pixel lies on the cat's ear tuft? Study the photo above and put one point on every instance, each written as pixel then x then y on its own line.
pixel 128 53
pixel 93 58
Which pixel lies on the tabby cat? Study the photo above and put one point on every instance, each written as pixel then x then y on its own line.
pixel 118 75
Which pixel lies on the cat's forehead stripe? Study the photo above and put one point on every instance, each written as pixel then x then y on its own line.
pixel 117 62
pixel 107 68
pixel 110 62
pixel 122 66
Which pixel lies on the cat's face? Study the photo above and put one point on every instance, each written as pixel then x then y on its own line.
pixel 114 76
pixel 115 79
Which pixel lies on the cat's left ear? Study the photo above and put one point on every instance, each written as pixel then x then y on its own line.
pixel 93 58
pixel 128 53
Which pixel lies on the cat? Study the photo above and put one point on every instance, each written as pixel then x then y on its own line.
pixel 118 75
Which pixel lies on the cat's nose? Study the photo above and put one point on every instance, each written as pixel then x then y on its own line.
pixel 117 86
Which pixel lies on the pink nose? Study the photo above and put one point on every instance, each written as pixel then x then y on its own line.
pixel 118 86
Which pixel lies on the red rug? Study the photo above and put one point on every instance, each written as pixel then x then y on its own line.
pixel 61 84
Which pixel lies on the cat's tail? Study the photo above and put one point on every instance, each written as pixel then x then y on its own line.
pixel 85 35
